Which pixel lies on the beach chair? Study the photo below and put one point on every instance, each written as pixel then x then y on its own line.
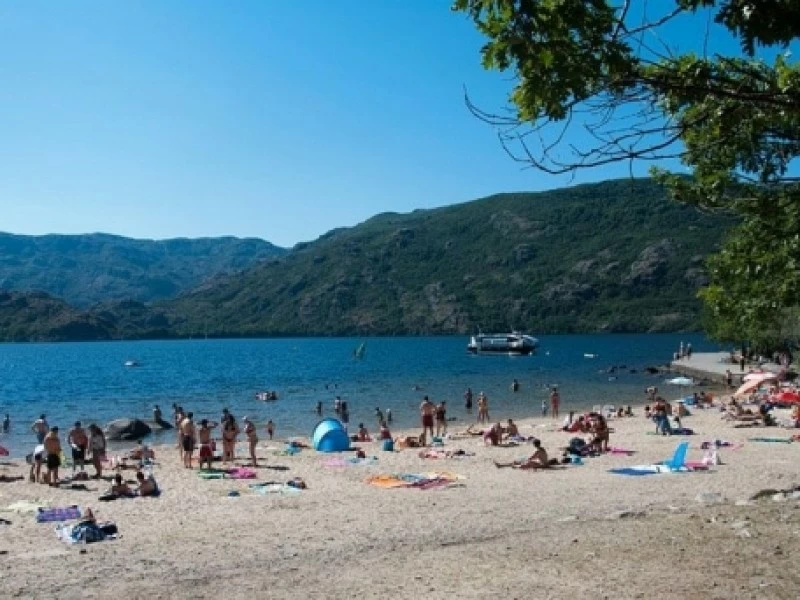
pixel 678 460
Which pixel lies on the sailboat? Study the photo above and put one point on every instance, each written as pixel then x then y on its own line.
pixel 359 352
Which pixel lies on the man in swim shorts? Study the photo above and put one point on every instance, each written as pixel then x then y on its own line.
pixel 187 439
pixel 52 450
pixel 204 437
pixel 79 441
pixel 427 410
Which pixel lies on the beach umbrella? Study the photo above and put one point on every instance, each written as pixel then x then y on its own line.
pixel 747 388
pixel 680 381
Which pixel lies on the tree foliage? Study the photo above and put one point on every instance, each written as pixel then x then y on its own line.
pixel 608 69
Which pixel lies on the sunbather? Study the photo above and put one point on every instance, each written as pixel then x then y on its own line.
pixel 537 460
pixel 147 485
pixel 120 488
pixel 600 435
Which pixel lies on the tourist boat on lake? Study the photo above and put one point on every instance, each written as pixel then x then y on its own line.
pixel 503 343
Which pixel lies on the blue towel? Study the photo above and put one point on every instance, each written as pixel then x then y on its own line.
pixel 631 472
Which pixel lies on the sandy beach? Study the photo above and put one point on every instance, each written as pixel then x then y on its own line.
pixel 566 533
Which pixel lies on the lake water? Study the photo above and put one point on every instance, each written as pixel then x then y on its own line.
pixel 89 382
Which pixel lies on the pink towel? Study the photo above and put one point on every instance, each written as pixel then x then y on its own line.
pixel 241 473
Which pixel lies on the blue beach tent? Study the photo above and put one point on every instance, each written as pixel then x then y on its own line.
pixel 329 436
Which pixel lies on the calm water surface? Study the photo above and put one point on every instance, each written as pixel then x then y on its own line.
pixel 89 382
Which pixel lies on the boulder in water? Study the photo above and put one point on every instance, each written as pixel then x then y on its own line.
pixel 127 429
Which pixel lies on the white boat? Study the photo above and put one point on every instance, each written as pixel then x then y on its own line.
pixel 131 363
pixel 502 343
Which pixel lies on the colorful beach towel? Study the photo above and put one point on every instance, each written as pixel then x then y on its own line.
pixel 65 513
pixel 241 473
pixel 423 481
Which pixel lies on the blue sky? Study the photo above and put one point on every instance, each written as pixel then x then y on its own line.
pixel 272 119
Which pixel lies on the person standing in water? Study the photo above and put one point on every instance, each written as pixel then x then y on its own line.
pixel 468 399
pixel 515 386
pixel 7 424
pixel 270 428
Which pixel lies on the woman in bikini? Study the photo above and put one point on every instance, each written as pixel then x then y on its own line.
pixel 229 433
pixel 97 444
pixel 252 438
pixel 483 408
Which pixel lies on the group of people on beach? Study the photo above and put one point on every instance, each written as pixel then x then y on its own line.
pixel 49 452
pixel 191 436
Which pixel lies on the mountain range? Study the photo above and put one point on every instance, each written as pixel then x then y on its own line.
pixel 87 269
pixel 614 256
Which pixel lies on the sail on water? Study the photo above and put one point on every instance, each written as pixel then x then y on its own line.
pixel 359 352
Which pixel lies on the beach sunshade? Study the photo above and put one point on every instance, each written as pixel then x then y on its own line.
pixel 330 436
pixel 747 388
pixel 680 381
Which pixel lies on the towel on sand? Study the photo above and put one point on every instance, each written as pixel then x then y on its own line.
pixel 58 513
pixel 424 481
pixel 86 532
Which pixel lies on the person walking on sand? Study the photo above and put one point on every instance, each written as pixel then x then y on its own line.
pixel 40 428
pixel 483 408
pixel 252 438
pixel 79 441
pixel 728 379
pixel 52 448
pixel 441 418
pixel 555 402
pixel 188 437
pixel 427 411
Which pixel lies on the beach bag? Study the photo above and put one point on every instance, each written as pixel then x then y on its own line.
pixel 388 445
